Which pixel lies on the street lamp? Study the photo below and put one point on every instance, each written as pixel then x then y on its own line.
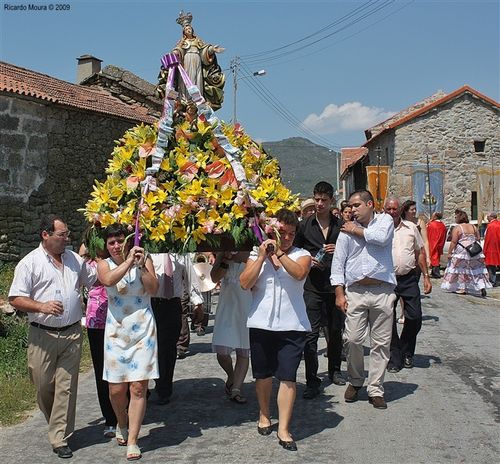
pixel 235 64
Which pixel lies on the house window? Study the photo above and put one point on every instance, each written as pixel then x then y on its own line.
pixel 479 146
pixel 473 206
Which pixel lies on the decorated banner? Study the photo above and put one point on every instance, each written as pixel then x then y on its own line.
pixel 488 191
pixel 378 184
pixel 427 187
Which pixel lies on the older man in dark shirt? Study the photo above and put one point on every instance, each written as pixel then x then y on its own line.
pixel 318 234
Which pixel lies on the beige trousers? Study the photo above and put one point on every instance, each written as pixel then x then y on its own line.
pixel 53 362
pixel 369 312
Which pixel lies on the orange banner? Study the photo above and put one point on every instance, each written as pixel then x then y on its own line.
pixel 378 184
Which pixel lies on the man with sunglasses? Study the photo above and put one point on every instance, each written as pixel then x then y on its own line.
pixel 47 285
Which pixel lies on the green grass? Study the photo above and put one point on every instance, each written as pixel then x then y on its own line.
pixel 17 394
pixel 6 276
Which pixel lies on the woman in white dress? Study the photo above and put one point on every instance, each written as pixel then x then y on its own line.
pixel 130 350
pixel 230 329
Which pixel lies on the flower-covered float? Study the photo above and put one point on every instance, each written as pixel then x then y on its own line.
pixel 190 183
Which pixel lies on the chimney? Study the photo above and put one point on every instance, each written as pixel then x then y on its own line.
pixel 87 66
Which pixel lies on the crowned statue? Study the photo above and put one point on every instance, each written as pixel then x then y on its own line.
pixel 199 59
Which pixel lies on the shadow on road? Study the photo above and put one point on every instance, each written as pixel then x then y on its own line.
pixel 396 390
pixel 200 404
pixel 425 361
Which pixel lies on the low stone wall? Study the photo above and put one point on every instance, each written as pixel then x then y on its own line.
pixel 49 159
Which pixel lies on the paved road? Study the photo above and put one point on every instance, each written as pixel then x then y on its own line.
pixel 445 410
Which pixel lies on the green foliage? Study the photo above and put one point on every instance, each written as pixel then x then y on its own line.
pixel 6 276
pixel 17 394
pixel 13 344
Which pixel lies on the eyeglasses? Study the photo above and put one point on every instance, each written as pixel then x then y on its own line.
pixel 61 234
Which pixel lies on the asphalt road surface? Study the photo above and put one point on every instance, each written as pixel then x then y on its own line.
pixel 444 410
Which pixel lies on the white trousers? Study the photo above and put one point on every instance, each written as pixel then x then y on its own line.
pixel 369 312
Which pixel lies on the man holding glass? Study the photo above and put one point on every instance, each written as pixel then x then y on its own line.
pixel 47 285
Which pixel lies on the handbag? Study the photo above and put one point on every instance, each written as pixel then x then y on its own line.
pixel 473 249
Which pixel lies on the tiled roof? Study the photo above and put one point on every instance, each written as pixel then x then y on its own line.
pixel 14 79
pixel 375 130
pixel 395 122
pixel 350 156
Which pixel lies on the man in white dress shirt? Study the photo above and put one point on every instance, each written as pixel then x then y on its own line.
pixel 47 285
pixel 364 280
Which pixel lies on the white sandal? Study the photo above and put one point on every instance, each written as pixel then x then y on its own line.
pixel 121 436
pixel 133 453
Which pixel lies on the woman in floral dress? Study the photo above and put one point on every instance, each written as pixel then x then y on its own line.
pixel 465 273
pixel 130 351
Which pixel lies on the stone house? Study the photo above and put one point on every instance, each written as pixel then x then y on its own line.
pixel 56 138
pixel 443 152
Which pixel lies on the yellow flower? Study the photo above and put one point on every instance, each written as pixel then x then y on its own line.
pixel 226 196
pixel 273 206
pixel 180 233
pixel 224 222
pixel 198 235
pixel 165 164
pixel 107 219
pixel 238 211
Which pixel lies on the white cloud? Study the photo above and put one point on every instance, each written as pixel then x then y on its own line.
pixel 347 117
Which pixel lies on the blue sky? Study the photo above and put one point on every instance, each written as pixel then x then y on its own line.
pixel 343 84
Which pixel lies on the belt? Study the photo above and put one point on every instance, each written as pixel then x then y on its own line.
pixel 53 329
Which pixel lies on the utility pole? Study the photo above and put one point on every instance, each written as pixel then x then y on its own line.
pixel 429 197
pixel 377 151
pixel 234 66
pixel 492 183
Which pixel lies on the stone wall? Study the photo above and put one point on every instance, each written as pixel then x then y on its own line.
pixel 49 159
pixel 448 133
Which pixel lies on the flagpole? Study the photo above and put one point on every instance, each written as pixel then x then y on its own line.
pixel 428 184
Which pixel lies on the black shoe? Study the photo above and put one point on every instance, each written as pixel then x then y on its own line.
pixel 288 445
pixel 181 354
pixel 393 369
pixel 63 452
pixel 408 362
pixel 337 378
pixel 265 430
pixel 310 393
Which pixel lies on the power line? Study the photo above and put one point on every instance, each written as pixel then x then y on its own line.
pixel 337 21
pixel 315 52
pixel 270 100
pixel 369 13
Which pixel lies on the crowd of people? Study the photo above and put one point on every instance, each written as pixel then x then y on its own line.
pixel 339 271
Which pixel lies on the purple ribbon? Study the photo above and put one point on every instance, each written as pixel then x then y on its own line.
pixel 257 230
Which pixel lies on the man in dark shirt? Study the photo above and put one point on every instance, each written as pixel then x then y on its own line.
pixel 320 232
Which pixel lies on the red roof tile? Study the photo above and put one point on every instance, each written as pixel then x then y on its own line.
pixel 349 156
pixel 14 79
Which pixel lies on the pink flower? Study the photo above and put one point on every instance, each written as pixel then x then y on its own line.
pixel 132 182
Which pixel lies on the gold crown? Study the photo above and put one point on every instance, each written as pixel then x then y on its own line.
pixel 184 18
